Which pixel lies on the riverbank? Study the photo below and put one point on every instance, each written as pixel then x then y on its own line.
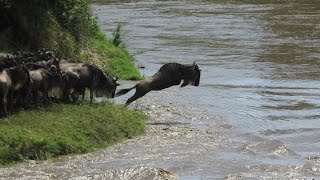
pixel 62 129
pixel 176 136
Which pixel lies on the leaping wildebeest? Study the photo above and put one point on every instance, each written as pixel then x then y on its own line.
pixel 169 74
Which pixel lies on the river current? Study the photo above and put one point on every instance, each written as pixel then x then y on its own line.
pixel 260 77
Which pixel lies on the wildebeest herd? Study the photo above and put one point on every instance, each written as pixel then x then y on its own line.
pixel 26 79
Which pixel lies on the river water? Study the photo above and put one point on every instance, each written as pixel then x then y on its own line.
pixel 259 85
pixel 255 114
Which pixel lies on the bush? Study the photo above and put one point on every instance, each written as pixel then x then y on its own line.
pixel 61 25
pixel 66 27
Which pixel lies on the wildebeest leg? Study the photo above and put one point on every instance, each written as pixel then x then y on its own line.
pixel 45 97
pixel 138 94
pixel 65 94
pixel 35 98
pixel 91 95
pixel 10 101
pixel 3 107
pixel 3 100
pixel 185 83
pixel 83 91
pixel 74 96
pixel 24 96
pixel 72 79
pixel 77 92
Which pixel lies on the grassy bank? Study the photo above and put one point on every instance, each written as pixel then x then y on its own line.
pixel 65 129
pixel 115 60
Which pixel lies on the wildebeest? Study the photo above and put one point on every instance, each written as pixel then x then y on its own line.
pixel 11 80
pixel 169 74
pixel 99 93
pixel 42 80
pixel 41 55
pixel 7 60
pixel 81 76
pixel 49 62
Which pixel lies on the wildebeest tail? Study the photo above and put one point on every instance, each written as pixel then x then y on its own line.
pixel 124 91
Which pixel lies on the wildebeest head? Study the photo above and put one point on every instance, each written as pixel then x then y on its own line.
pixel 43 54
pixel 191 75
pixel 54 72
pixel 106 87
pixel 7 61
pixel 55 62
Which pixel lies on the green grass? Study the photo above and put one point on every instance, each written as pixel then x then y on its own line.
pixel 66 129
pixel 116 60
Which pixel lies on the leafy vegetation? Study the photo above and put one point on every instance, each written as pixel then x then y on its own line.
pixel 66 27
pixel 35 24
pixel 116 60
pixel 64 129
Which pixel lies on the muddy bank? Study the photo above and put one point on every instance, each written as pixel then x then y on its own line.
pixel 177 140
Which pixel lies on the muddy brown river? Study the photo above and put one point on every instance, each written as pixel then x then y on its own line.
pixel 255 114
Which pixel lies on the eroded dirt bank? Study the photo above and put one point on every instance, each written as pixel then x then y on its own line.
pixel 177 141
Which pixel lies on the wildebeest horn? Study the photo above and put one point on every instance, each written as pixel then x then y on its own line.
pixel 196 66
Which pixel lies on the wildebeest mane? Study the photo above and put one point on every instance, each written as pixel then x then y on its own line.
pixel 100 79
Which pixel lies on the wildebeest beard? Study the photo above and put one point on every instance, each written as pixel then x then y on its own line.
pixel 168 75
